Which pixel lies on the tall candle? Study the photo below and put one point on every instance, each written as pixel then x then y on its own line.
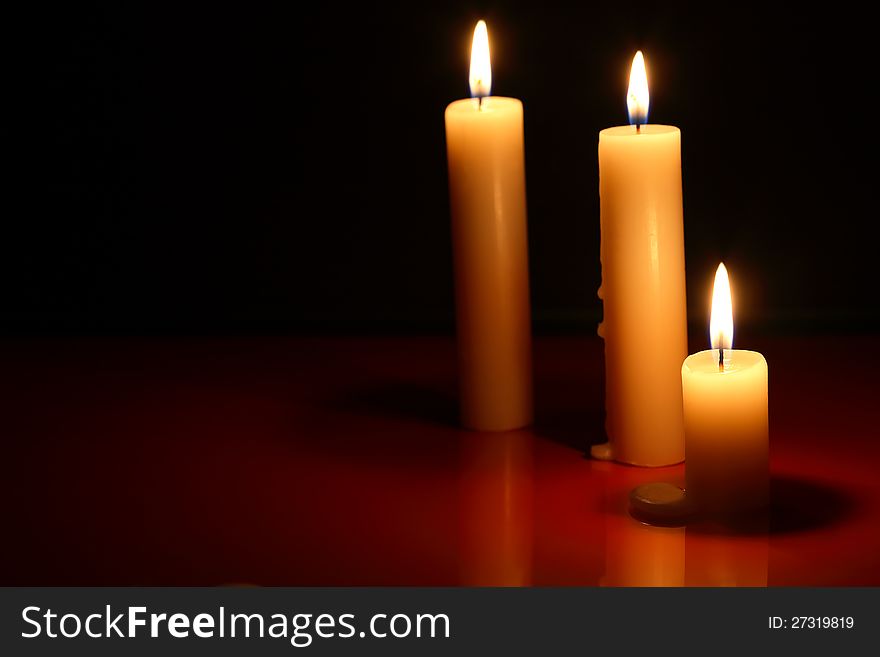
pixel 725 417
pixel 487 191
pixel 643 285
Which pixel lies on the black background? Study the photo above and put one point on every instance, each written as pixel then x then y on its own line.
pixel 258 168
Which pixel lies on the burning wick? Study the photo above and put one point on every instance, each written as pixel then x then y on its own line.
pixel 721 317
pixel 637 96
pixel 480 74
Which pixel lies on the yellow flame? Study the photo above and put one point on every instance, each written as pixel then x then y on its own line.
pixel 637 97
pixel 721 320
pixel 481 69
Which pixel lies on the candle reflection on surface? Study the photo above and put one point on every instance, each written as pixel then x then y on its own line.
pixel 725 560
pixel 641 555
pixel 497 494
pixel 637 554
pixel 701 554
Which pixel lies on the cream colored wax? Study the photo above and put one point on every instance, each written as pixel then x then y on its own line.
pixel 487 190
pixel 725 417
pixel 726 430
pixel 643 293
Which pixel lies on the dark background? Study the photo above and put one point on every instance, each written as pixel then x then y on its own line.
pixel 282 168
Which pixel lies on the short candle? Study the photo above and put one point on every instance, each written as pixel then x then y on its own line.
pixel 725 417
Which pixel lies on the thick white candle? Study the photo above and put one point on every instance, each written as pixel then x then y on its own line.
pixel 725 418
pixel 487 196
pixel 643 286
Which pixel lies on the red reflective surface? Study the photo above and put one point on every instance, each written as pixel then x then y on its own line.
pixel 293 461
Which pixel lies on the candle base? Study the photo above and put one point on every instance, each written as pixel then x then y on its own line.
pixel 496 427
pixel 605 452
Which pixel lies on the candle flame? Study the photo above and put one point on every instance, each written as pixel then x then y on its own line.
pixel 721 320
pixel 637 97
pixel 481 70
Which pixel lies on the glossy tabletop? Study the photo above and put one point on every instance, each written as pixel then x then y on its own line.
pixel 337 461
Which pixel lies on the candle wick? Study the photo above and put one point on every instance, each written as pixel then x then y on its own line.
pixel 638 127
pixel 721 359
pixel 480 103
